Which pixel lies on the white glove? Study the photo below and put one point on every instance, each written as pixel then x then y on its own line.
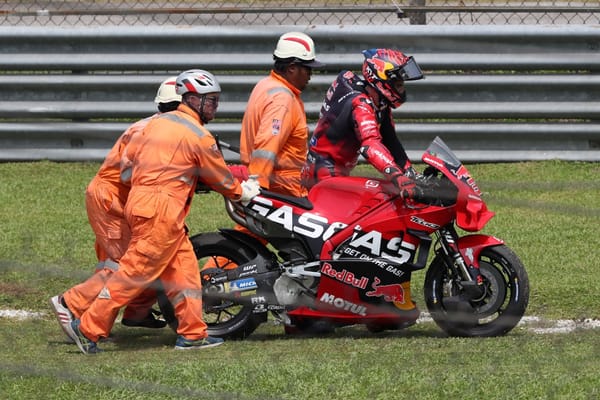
pixel 250 188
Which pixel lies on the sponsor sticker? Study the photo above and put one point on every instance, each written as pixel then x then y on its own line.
pixel 393 293
pixel 240 285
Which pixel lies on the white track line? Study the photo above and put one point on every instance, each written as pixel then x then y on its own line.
pixel 543 326
pixel 531 323
pixel 21 314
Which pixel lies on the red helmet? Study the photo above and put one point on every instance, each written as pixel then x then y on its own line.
pixel 383 67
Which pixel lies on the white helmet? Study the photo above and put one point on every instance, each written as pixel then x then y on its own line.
pixel 196 81
pixel 297 45
pixel 166 92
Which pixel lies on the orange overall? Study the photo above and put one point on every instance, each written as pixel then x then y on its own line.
pixel 105 197
pixel 172 152
pixel 274 137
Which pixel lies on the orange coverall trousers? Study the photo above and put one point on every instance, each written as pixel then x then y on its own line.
pixel 159 249
pixel 104 205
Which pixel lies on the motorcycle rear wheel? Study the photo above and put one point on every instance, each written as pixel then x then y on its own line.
pixel 224 319
pixel 500 308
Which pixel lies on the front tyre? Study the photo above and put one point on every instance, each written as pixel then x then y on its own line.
pixel 496 312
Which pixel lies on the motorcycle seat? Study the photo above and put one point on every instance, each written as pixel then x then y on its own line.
pixel 302 202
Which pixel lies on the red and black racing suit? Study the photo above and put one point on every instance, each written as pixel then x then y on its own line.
pixel 350 124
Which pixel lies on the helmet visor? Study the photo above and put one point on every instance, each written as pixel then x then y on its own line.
pixel 411 71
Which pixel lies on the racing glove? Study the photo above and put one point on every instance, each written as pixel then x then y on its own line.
pixel 250 188
pixel 411 173
pixel 422 189
pixel 405 185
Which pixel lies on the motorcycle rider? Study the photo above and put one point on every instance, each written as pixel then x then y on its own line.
pixel 171 154
pixel 356 119
pixel 105 197
pixel 273 141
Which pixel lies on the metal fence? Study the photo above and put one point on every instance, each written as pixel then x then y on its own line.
pixel 307 12
pixel 495 93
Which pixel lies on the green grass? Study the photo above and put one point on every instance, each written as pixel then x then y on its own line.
pixel 548 212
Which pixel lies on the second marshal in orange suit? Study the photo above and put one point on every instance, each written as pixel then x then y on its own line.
pixel 274 137
pixel 171 154
pixel 105 198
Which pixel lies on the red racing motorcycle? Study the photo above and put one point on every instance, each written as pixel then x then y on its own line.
pixel 344 255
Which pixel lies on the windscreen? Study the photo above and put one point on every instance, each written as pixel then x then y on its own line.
pixel 439 149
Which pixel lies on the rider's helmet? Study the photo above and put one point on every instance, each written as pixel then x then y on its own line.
pixel 196 81
pixel 297 46
pixel 166 92
pixel 382 68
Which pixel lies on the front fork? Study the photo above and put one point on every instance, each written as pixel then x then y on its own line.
pixel 470 277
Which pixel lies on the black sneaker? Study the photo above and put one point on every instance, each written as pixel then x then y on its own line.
pixel 149 322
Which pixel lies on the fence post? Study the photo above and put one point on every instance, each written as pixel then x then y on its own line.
pixel 418 17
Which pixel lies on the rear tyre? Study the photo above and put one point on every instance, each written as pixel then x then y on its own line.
pixel 225 319
pixel 496 312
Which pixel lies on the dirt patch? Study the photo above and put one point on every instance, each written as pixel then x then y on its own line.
pixel 15 290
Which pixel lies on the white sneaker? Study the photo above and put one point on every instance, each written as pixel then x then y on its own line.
pixel 64 317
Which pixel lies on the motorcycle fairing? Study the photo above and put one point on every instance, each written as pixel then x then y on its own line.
pixel 361 288
pixel 341 202
pixel 347 198
pixel 471 212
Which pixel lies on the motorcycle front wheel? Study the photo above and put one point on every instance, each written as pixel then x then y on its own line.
pixel 498 310
pixel 225 319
